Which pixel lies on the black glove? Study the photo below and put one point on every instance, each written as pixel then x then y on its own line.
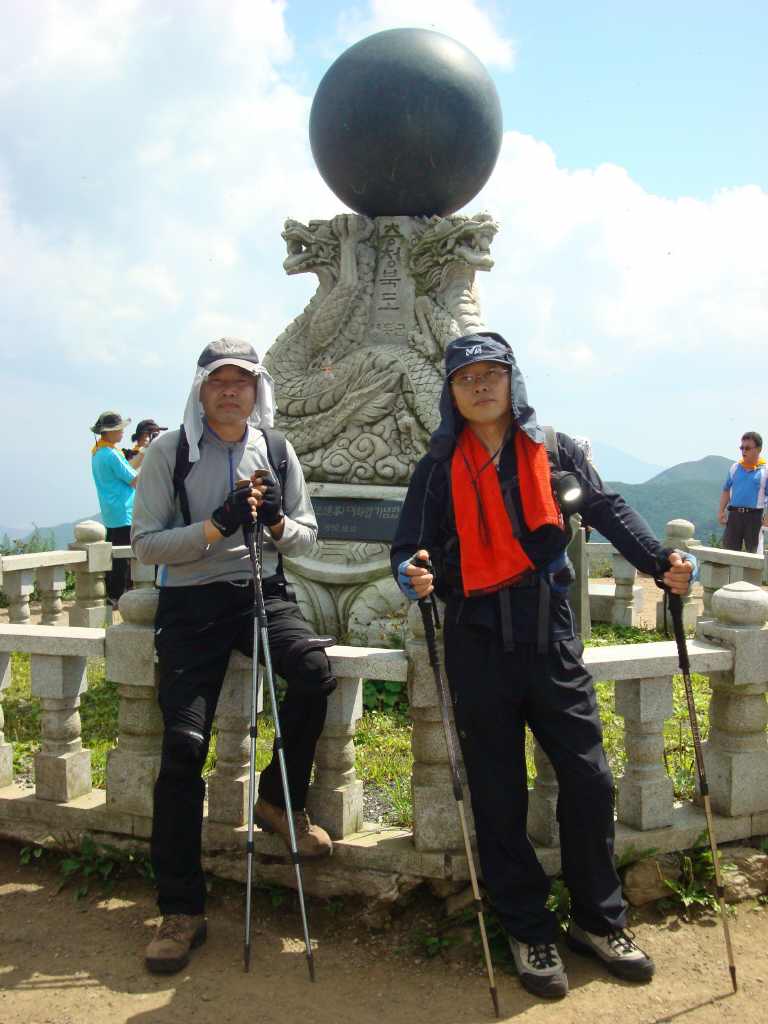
pixel 234 513
pixel 271 508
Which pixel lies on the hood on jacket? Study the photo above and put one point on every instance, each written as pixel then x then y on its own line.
pixel 483 347
pixel 227 352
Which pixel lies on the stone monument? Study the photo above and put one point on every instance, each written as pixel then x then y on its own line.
pixel 405 128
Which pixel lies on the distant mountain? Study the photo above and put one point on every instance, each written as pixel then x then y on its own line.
pixel 63 533
pixel 690 490
pixel 614 464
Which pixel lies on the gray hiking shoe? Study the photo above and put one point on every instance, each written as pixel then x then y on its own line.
pixel 617 950
pixel 540 968
pixel 177 934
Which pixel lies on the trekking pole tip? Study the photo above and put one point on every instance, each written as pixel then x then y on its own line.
pixel 495 998
pixel 247 959
pixel 732 969
pixel 311 965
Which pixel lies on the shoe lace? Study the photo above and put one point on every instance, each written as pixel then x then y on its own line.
pixel 542 954
pixel 173 926
pixel 622 941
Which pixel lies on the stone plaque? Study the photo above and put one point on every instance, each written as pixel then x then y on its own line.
pixel 366 519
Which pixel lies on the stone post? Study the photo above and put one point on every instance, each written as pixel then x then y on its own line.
pixel 678 534
pixel 133 765
pixel 6 750
pixel 624 576
pixel 645 790
pixel 543 827
pixel 90 588
pixel 435 821
pixel 336 795
pixel 736 753
pixel 62 767
pixel 18 586
pixel 51 581
pixel 713 577
pixel 579 591
pixel 228 783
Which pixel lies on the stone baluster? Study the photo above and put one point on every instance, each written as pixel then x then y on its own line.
pixel 142 575
pixel 6 750
pixel 736 752
pixel 335 797
pixel 18 586
pixel 133 765
pixel 645 790
pixel 51 581
pixel 679 533
pixel 62 766
pixel 435 821
pixel 90 587
pixel 228 784
pixel 543 827
pixel 713 576
pixel 624 576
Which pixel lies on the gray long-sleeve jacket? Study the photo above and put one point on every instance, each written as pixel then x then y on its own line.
pixel 159 536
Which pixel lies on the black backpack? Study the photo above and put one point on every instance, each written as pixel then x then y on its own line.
pixel 277 455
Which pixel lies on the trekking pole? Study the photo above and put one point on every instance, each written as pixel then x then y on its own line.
pixel 254 539
pixel 428 609
pixel 676 614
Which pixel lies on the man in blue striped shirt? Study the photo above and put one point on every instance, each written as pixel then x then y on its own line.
pixel 742 500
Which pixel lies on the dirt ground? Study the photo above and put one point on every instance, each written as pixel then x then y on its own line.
pixel 64 961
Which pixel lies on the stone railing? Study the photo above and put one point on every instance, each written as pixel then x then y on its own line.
pixel 89 557
pixel 731 648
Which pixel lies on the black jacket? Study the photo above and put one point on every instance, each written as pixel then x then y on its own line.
pixel 426 521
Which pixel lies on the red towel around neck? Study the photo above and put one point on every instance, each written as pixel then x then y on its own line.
pixel 491 555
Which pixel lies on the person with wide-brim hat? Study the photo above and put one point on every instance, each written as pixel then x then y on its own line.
pixel 115 483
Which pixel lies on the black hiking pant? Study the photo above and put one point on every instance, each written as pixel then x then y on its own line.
pixel 196 629
pixel 495 693
pixel 118 578
pixel 743 528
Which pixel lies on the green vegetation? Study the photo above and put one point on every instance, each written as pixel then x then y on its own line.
pixel 85 862
pixel 383 738
pixel 695 889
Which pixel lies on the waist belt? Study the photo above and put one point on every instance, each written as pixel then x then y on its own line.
pixel 742 508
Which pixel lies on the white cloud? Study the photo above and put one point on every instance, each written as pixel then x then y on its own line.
pixel 595 270
pixel 465 20
pixel 52 39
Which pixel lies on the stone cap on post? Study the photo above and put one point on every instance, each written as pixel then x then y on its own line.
pixel 90 537
pixel 679 534
pixel 741 612
pixel 130 646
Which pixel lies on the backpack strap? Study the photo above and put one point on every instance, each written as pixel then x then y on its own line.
pixel 550 443
pixel 181 470
pixel 277 453
pixel 277 456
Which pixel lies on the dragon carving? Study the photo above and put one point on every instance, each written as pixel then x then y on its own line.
pixel 359 411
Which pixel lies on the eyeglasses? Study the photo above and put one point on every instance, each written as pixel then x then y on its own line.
pixel 237 384
pixel 746 447
pixel 471 380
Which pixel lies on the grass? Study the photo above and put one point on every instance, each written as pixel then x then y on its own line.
pixel 383 738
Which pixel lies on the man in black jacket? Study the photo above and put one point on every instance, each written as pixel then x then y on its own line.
pixel 482 506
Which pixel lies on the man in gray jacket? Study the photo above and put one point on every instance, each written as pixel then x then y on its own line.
pixel 188 519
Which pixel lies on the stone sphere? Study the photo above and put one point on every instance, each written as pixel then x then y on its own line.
pixel 406 122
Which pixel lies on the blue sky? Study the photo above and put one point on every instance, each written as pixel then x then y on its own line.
pixel 152 150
